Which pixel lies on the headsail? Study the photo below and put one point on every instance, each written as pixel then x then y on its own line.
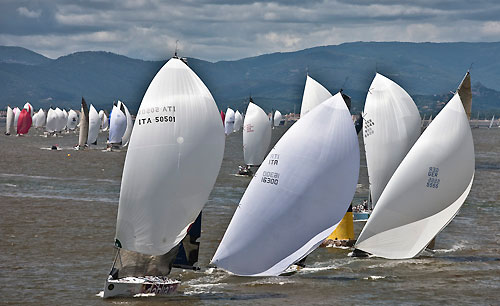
pixel 130 124
pixel 391 127
pixel 314 94
pixel 297 197
pixel 94 124
pixel 24 122
pixel 256 135
pixel 427 189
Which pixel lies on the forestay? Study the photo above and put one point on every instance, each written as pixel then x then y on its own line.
pixel 427 189
pixel 391 127
pixel 173 159
pixel 298 195
pixel 256 135
pixel 314 94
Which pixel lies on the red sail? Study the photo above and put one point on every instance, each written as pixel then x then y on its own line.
pixel 223 116
pixel 24 122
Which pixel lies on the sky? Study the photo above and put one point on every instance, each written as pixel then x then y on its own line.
pixel 233 29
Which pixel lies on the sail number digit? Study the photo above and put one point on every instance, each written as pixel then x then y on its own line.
pixel 165 118
pixel 433 181
pixel 270 177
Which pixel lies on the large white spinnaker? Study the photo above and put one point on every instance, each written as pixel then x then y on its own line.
pixel 72 119
pixel 256 135
pixel 117 125
pixel 314 94
pixel 277 118
pixel 427 189
pixel 94 125
pixel 298 195
pixel 391 127
pixel 9 123
pixel 160 198
pixel 60 121
pixel 51 125
pixel 238 121
pixel 130 124
pixel 229 121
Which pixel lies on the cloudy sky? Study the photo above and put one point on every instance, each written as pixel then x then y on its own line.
pixel 232 29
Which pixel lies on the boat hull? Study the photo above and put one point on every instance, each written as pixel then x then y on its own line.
pixel 133 286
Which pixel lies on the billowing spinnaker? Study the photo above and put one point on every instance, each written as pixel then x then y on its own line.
pixel 17 112
pixel 117 125
pixel 24 122
pixel 256 135
pixel 130 123
pixel 104 120
pixel 298 195
pixel 60 120
pixel 229 121
pixel 51 125
pixel 94 125
pixel 42 117
pixel 314 94
pixel 238 121
pixel 427 189
pixel 9 127
pixel 391 127
pixel 277 118
pixel 84 124
pixel 72 119
pixel 174 156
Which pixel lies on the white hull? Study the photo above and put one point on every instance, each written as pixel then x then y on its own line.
pixel 132 286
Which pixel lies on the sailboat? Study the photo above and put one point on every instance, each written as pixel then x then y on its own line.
pixel 277 118
pixel 40 119
pixel 491 122
pixel 130 123
pixel 238 121
pixel 51 125
pixel 9 123
pixel 94 125
pixel 314 94
pixel 229 121
pixel 391 127
pixel 256 137
pixel 298 195
pixel 84 126
pixel 161 199
pixel 427 189
pixel 72 120
pixel 16 111
pixel 117 126
pixel 24 122
pixel 104 120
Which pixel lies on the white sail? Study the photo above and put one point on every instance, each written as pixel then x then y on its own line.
pixel 17 112
pixel 72 119
pixel 256 135
pixel 60 121
pixel 160 198
pixel 43 117
pixel 9 124
pixel 130 124
pixel 238 121
pixel 492 120
pixel 229 121
pixel 29 108
pixel 390 128
pixel 117 125
pixel 51 125
pixel 84 125
pixel 94 124
pixel 298 195
pixel 427 189
pixel 104 120
pixel 277 118
pixel 314 94
pixel 65 114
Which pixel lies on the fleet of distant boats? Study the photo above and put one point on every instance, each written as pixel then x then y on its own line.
pixel 300 193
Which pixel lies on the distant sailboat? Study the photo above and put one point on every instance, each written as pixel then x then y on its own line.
pixel 24 122
pixel 51 125
pixel 94 125
pixel 16 111
pixel 130 124
pixel 277 118
pixel 238 121
pixel 84 126
pixel 314 94
pixel 426 190
pixel 229 121
pixel 117 126
pixel 104 120
pixel 297 197
pixel 256 135
pixel 9 123
pixel 160 199
pixel 72 121
pixel 491 122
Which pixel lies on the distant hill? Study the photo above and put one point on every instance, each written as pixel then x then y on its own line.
pixel 428 71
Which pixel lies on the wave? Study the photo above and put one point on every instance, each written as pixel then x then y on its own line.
pixel 60 197
pixel 41 177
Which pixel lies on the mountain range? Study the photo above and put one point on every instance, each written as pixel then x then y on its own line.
pixel 428 71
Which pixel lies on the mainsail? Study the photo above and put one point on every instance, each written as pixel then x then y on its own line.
pixel 314 94
pixel 298 195
pixel 229 121
pixel 256 135
pixel 391 127
pixel 84 125
pixel 427 189
pixel 9 127
pixel 94 125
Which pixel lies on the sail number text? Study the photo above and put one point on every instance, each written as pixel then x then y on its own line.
pixel 157 119
pixel 270 177
pixel 432 180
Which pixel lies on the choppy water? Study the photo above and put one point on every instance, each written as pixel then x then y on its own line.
pixel 57 224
